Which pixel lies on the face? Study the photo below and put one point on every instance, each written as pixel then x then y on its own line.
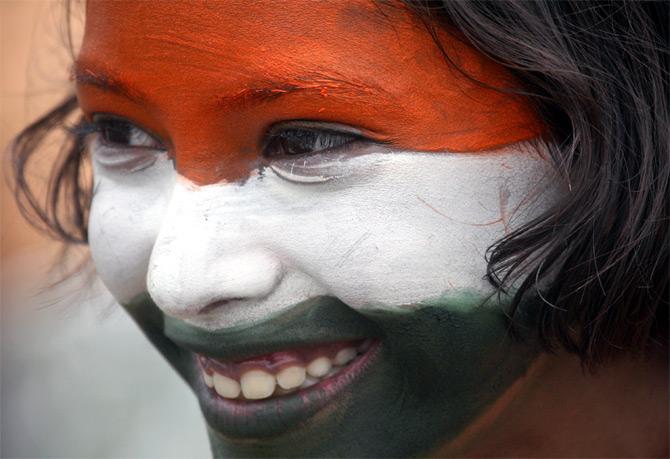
pixel 294 202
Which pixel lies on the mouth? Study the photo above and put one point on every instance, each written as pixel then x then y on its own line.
pixel 422 375
pixel 267 395
pixel 284 372
pixel 265 379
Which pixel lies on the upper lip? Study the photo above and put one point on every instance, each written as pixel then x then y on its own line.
pixel 315 321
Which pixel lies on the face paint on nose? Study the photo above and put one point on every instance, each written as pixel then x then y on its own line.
pixel 211 86
pixel 210 260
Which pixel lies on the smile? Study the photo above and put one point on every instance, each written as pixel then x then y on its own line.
pixel 266 378
pixel 261 406
pixel 283 372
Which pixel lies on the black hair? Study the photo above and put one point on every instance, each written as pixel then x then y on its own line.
pixel 598 76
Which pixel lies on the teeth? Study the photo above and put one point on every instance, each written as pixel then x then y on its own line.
pixel 291 377
pixel 226 387
pixel 309 382
pixel 257 384
pixel 345 356
pixel 209 382
pixel 319 367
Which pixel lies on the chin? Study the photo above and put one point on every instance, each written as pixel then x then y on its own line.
pixel 323 379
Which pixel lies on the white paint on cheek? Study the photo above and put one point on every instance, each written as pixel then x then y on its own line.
pixel 210 260
pixel 126 215
pixel 392 229
pixel 415 227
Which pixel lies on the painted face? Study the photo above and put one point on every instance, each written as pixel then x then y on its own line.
pixel 294 201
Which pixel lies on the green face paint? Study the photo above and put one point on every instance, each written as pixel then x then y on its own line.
pixel 438 366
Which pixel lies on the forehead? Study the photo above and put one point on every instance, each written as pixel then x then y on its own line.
pixel 256 39
pixel 368 64
pixel 239 22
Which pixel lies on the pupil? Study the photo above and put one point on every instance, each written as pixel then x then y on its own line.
pixel 118 132
pixel 299 142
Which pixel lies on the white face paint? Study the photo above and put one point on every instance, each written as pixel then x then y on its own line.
pixel 376 228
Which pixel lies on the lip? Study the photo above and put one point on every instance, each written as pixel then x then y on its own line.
pixel 271 416
pixel 313 322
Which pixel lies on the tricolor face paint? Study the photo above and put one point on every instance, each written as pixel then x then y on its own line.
pixel 294 202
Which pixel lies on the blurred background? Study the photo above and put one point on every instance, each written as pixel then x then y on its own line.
pixel 77 378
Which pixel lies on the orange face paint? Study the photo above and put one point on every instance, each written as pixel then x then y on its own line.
pixel 210 78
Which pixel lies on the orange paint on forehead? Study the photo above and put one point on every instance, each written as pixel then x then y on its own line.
pixel 210 78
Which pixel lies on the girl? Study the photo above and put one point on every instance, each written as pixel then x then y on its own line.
pixel 382 228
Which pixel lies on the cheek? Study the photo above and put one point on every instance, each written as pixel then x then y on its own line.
pixel 416 227
pixel 412 228
pixel 125 218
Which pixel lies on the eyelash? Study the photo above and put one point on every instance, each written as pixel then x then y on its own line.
pixel 119 133
pixel 280 143
pixel 300 141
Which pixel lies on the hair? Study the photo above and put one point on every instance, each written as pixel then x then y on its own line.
pixel 598 76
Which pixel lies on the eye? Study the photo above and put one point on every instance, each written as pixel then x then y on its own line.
pixel 309 152
pixel 298 141
pixel 120 133
pixel 120 146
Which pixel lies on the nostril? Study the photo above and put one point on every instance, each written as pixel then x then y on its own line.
pixel 186 283
pixel 216 304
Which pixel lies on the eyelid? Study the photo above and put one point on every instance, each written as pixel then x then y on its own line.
pixel 335 128
pixel 318 167
pixel 362 134
pixel 119 158
pixel 327 167
pixel 101 116
pixel 319 128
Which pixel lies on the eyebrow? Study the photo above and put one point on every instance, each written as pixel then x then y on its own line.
pixel 256 93
pixel 87 76
pixel 320 83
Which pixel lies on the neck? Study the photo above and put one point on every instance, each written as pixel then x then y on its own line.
pixel 560 410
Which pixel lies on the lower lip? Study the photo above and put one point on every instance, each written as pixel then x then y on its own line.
pixel 273 415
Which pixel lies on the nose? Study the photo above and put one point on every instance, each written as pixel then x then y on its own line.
pixel 206 255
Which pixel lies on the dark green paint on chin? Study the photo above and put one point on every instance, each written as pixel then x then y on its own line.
pixel 311 321
pixel 442 363
pixel 151 321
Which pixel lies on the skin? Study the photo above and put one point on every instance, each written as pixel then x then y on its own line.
pixel 240 77
pixel 560 410
pixel 214 249
pixel 405 388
